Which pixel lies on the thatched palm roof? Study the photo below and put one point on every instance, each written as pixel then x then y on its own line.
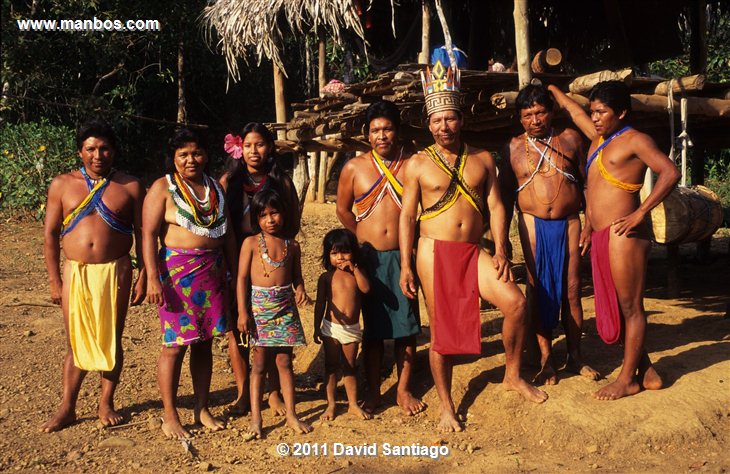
pixel 252 28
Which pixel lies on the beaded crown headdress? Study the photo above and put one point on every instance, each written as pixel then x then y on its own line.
pixel 441 88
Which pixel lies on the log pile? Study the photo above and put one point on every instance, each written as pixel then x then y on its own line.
pixel 334 123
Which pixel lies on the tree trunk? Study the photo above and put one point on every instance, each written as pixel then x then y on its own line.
pixel 321 65
pixel 279 98
pixel 425 32
pixel 522 42
pixel 447 34
pixel 182 115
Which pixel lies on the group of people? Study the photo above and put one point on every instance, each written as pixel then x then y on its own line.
pixel 203 243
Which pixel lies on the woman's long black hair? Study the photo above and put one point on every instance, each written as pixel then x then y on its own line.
pixel 238 175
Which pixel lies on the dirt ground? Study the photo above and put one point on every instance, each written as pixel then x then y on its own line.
pixel 684 427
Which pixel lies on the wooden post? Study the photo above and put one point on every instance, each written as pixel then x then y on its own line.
pixel 321 65
pixel 522 42
pixel 425 32
pixel 301 178
pixel 312 166
pixel 322 177
pixel 279 99
pixel 447 33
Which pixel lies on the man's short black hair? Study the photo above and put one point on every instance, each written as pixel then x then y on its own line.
pixel 534 94
pixel 385 109
pixel 96 128
pixel 614 94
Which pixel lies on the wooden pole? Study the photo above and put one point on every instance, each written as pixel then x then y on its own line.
pixel 447 33
pixel 321 65
pixel 522 42
pixel 279 99
pixel 312 166
pixel 322 177
pixel 301 178
pixel 425 32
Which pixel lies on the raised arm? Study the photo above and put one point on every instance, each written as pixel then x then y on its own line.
pixel 153 217
pixel 667 176
pixel 497 220
pixel 346 197
pixel 579 116
pixel 407 226
pixel 52 238
pixel 361 279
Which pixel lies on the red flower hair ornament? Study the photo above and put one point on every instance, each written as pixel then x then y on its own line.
pixel 233 145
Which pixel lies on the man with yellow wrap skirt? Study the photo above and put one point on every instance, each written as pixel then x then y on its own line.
pixel 96 211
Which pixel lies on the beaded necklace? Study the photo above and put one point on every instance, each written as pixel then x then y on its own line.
pixel 265 258
pixel 204 217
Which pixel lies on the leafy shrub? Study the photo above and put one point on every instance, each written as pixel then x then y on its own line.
pixel 718 180
pixel 31 155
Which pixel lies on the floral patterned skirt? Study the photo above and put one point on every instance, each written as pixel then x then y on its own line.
pixel 195 293
pixel 276 316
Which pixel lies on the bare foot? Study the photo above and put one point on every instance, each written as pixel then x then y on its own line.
pixel 297 425
pixel 173 429
pixel 61 419
pixel 616 390
pixel 529 392
pixel 648 376
pixel 329 413
pixel 448 422
pixel 109 417
pixel 358 412
pixel 276 404
pixel 650 379
pixel 371 402
pixel 409 404
pixel 546 376
pixel 204 417
pixel 254 431
pixel 577 366
pixel 239 408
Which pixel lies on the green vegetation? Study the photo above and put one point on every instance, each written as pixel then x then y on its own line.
pixel 30 156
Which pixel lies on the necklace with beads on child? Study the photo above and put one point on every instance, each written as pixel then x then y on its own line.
pixel 265 258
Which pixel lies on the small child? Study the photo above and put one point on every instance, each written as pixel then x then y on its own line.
pixel 338 302
pixel 271 265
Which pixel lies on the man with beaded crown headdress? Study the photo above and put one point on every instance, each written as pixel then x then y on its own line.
pixel 542 171
pixel 456 187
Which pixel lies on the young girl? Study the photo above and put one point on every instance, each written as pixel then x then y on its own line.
pixel 271 265
pixel 253 167
pixel 338 302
